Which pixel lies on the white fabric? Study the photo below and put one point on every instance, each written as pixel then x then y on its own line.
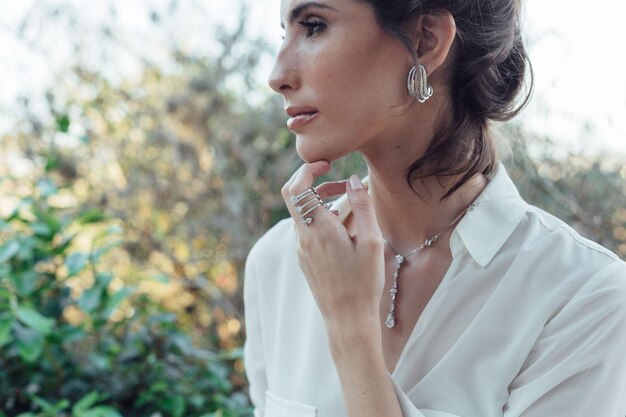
pixel 529 321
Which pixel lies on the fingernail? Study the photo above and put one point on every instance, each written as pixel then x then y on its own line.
pixel 355 183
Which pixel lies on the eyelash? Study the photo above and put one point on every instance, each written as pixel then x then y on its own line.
pixel 313 27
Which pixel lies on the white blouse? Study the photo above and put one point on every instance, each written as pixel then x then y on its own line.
pixel 529 320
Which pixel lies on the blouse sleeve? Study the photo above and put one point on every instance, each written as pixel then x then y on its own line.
pixel 577 366
pixel 253 347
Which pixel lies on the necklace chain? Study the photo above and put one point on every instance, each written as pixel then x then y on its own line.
pixel 390 322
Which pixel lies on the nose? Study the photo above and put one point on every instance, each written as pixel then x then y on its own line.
pixel 284 75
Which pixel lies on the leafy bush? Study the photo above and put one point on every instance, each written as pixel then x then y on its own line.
pixel 76 341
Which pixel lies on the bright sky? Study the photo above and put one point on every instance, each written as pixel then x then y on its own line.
pixel 576 49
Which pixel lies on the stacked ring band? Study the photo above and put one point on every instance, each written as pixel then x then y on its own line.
pixel 310 201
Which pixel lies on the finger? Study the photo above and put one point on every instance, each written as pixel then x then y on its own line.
pixel 307 174
pixel 306 171
pixel 300 183
pixel 291 180
pixel 331 189
pixel 363 210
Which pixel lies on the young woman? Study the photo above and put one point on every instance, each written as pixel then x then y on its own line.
pixel 434 289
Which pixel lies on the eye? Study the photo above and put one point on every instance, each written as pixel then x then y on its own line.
pixel 313 26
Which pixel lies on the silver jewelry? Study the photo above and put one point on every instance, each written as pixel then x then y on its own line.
pixel 417 84
pixel 390 322
pixel 307 197
pixel 295 199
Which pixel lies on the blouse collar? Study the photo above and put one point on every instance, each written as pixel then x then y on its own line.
pixel 484 229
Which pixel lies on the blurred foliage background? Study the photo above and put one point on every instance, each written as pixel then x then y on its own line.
pixel 128 205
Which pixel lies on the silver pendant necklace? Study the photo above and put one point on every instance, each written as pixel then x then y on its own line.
pixel 390 322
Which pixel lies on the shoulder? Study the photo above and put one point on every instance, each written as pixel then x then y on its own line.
pixel 562 243
pixel 556 257
pixel 273 247
pixel 533 248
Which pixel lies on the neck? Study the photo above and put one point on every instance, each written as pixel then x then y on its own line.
pixel 407 219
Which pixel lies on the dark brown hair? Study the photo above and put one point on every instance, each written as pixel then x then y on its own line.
pixel 486 76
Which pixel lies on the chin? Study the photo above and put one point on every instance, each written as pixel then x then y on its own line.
pixel 309 152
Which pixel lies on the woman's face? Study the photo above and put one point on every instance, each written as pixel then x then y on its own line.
pixel 340 74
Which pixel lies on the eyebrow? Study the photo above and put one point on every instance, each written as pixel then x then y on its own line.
pixel 301 8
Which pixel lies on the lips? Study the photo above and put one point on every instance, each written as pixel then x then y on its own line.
pixel 300 116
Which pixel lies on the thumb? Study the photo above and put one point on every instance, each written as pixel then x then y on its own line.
pixel 363 209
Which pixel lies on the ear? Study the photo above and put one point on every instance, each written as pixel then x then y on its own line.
pixel 434 35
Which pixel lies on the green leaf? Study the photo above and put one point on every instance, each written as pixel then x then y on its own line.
pixel 100 362
pixel 103 279
pixel 63 123
pixel 5 296
pixel 49 219
pixel 41 403
pixel 114 301
pixel 91 216
pixel 6 325
pixel 90 299
pixel 178 406
pixel 101 411
pixel 25 282
pixel 86 402
pixel 47 187
pixel 69 334
pixel 49 408
pixel 31 351
pixel 9 250
pixel 42 229
pixel 53 161
pixel 76 262
pixel 29 344
pixel 33 319
pixel 64 244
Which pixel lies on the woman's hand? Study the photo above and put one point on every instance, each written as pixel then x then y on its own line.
pixel 345 273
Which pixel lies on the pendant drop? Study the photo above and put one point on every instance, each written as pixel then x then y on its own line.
pixel 393 292
pixel 391 321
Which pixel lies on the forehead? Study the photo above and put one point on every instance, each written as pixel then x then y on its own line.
pixel 286 6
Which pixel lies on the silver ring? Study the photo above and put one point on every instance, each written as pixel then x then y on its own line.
pixel 309 220
pixel 311 209
pixel 295 199
pixel 315 198
pixel 306 203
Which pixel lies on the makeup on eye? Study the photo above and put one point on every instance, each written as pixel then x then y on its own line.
pixel 302 10
pixel 313 25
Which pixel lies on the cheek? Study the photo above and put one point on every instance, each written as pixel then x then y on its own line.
pixel 363 83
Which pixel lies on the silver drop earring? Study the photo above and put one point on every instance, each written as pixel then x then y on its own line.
pixel 417 84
